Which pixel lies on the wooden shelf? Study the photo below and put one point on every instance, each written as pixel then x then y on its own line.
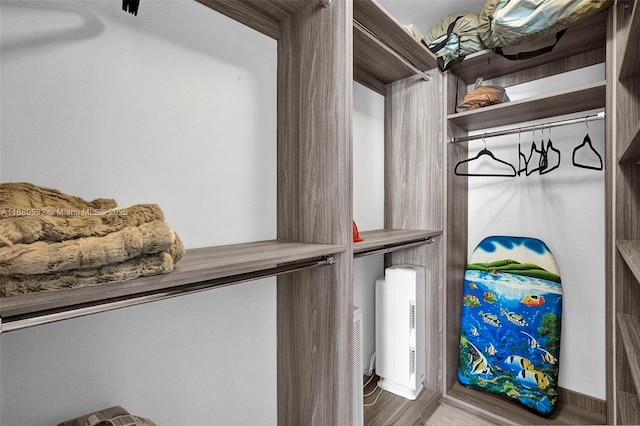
pixel 583 98
pixel 630 251
pixel 200 269
pixel 584 37
pixel 632 151
pixel 629 326
pixel 382 50
pixel 630 65
pixel 388 240
pixel 262 16
pixel 629 407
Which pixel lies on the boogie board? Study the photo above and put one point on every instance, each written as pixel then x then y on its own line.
pixel 510 322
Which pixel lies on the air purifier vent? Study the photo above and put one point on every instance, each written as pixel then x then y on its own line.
pixel 412 361
pixel 358 407
pixel 412 314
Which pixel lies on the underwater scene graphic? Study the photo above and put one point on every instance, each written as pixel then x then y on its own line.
pixel 510 322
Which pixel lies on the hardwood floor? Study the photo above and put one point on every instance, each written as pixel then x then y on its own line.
pixel 446 415
pixel 430 409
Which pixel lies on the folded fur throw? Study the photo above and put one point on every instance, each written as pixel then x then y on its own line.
pixel 23 195
pixel 151 264
pixel 48 225
pixel 90 252
pixel 50 240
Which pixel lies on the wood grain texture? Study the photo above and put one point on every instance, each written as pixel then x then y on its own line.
pixel 630 63
pixel 629 326
pixel 582 98
pixel 414 192
pixel 391 409
pixel 198 265
pixel 586 36
pixel 629 408
pixel 630 251
pixel 626 186
pixel 627 211
pixel 374 64
pixel 373 16
pixel 556 67
pixel 381 238
pixel 314 163
pixel 456 238
pixel 260 15
pixel 610 252
pixel 499 410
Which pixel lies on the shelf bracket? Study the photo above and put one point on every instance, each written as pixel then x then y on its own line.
pixel 326 3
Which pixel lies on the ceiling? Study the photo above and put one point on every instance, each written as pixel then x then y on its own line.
pixel 424 14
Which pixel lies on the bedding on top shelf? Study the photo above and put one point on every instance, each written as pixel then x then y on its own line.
pixel 51 241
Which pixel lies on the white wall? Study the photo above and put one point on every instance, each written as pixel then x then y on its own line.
pixel 177 107
pixel 368 203
pixel 565 209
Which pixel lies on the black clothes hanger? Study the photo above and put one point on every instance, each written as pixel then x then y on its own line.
pixel 548 168
pixel 587 143
pixel 521 159
pixel 486 152
pixel 555 155
pixel 541 162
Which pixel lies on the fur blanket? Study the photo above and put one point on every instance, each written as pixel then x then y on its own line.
pixel 50 240
pixel 51 226
pixel 152 264
pixel 23 195
pixel 90 252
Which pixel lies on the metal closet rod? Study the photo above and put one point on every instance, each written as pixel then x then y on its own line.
pixel 599 116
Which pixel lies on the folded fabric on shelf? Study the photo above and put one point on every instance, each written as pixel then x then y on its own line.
pixel 52 241
pixel 55 226
pixel 90 252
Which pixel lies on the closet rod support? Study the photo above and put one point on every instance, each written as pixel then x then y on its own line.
pixel 599 116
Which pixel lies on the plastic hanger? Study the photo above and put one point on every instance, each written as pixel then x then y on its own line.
pixel 541 163
pixel 482 153
pixel 521 158
pixel 586 143
pixel 550 148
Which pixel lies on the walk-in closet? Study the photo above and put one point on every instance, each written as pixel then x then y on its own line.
pixel 266 131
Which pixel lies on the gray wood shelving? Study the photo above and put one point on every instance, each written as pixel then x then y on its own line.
pixel 630 251
pixel 629 326
pixel 587 36
pixel 630 64
pixel 623 189
pixel 629 408
pixel 200 269
pixel 577 99
pixel 387 240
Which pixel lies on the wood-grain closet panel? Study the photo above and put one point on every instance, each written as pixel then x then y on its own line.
pixel 414 191
pixel 314 204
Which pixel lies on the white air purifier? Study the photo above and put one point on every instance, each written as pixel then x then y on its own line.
pixel 400 330
pixel 358 407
